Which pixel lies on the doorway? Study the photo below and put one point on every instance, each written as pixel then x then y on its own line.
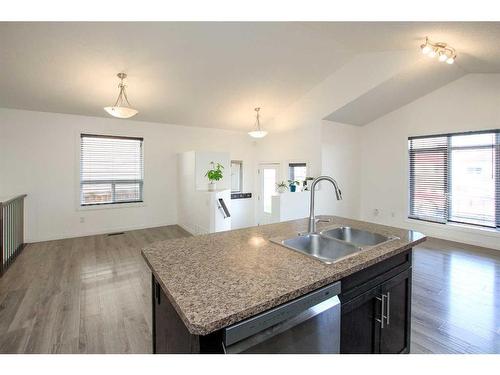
pixel 269 176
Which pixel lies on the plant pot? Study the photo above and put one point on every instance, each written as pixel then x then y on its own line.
pixel 282 189
pixel 212 186
pixel 293 188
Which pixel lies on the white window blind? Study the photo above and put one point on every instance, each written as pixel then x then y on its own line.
pixel 455 178
pixel 297 171
pixel 111 170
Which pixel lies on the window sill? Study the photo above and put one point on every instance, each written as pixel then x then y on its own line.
pixel 111 206
pixel 490 232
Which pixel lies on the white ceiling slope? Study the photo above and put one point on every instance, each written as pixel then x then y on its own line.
pixel 403 88
pixel 214 74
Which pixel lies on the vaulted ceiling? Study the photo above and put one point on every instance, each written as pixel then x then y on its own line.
pixel 213 74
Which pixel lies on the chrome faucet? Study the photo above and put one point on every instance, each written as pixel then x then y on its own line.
pixel 338 193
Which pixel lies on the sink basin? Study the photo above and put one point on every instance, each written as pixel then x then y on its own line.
pixel 357 237
pixel 323 248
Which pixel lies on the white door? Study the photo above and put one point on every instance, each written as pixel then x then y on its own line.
pixel 269 176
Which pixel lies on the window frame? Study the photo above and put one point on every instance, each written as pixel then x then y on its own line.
pixel 80 183
pixel 448 184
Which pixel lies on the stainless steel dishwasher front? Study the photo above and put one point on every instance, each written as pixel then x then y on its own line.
pixel 308 324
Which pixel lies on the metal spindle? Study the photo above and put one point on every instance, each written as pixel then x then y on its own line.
pixel 12 230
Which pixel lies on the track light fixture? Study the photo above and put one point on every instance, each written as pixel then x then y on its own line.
pixel 443 51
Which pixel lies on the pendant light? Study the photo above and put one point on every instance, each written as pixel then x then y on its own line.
pixel 258 132
pixel 122 108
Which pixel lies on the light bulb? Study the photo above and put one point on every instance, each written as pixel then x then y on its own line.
pixel 432 53
pixel 425 49
pixel 450 60
pixel 442 57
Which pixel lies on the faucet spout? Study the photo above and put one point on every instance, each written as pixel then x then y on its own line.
pixel 338 194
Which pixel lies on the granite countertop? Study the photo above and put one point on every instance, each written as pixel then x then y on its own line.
pixel 218 279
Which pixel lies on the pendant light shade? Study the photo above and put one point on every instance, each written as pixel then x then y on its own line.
pixel 121 108
pixel 258 132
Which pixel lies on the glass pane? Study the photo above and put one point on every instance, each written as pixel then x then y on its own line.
pixel 298 173
pixel 97 193
pixel 128 192
pixel 486 139
pixel 473 186
pixel 269 188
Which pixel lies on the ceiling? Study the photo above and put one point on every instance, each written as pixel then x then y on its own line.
pixel 208 74
pixel 413 82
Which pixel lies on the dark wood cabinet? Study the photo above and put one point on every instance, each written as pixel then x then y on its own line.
pixel 170 335
pixel 376 312
pixel 395 336
pixel 360 332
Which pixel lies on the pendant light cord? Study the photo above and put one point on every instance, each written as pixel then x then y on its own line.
pixel 257 121
pixel 121 95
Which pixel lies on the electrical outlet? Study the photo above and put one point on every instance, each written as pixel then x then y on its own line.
pixel 82 220
pixel 376 212
pixel 393 214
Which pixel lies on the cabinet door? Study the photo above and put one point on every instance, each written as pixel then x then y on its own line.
pixel 395 336
pixel 360 330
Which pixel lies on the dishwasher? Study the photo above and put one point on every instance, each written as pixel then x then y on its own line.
pixel 307 325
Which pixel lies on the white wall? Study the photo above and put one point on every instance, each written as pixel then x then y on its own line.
pixel 39 153
pixel 300 134
pixel 197 210
pixel 470 103
pixel 203 160
pixel 242 212
pixel 341 159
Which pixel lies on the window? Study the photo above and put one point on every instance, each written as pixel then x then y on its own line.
pixel 111 170
pixel 236 176
pixel 297 171
pixel 456 178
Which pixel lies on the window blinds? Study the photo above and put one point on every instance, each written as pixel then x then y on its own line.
pixel 428 178
pixel 455 178
pixel 111 170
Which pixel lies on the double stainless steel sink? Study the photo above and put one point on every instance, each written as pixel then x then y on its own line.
pixel 333 244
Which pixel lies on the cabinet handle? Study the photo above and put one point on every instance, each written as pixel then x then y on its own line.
pixel 382 312
pixel 388 307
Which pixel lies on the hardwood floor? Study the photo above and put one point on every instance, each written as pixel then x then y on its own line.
pixel 80 295
pixel 456 299
pixel 92 295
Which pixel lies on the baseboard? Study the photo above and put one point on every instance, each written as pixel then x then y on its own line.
pixel 186 229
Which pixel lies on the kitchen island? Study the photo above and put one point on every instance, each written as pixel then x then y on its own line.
pixel 204 284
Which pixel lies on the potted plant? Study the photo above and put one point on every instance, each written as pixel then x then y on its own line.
pixel 214 174
pixel 282 187
pixel 293 185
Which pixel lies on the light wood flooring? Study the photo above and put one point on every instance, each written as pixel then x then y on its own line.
pixel 92 295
